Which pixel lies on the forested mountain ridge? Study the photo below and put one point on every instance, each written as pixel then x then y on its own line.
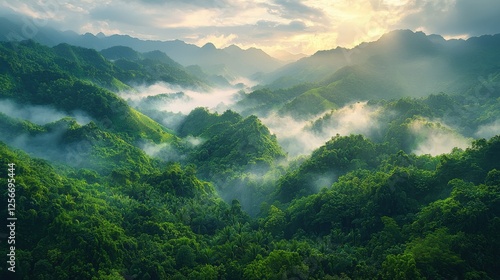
pixel 90 65
pixel 154 66
pixel 239 62
pixel 401 63
pixel 73 78
pixel 404 48
pixel 105 192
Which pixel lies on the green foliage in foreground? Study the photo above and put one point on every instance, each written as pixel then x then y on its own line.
pixel 409 218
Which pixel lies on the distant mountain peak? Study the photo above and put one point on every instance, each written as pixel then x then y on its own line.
pixel 232 47
pixel 401 34
pixel 239 62
pixel 209 46
pixel 120 52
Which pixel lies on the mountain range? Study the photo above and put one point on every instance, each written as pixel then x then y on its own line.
pixel 131 159
pixel 401 63
pixel 413 55
pixel 239 62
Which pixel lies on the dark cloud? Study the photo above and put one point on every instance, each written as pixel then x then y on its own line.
pixel 448 18
pixel 293 9
pixel 195 3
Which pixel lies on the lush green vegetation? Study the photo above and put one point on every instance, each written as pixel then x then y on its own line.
pixel 216 197
pixel 149 67
pixel 238 154
pixel 70 79
pixel 410 217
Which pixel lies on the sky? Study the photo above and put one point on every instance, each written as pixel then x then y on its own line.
pixel 294 26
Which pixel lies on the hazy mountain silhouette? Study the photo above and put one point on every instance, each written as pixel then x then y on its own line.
pixel 237 61
pixel 419 58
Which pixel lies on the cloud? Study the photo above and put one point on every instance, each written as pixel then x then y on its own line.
pixel 489 130
pixel 454 17
pixel 298 138
pixel 435 138
pixel 293 9
pixel 298 26
pixel 194 141
pixel 193 3
pixel 164 151
pixel 39 114
pixel 43 144
pixel 357 118
pixel 176 99
pixel 121 15
pixel 292 135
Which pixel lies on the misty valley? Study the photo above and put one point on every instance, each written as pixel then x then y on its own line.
pixel 141 159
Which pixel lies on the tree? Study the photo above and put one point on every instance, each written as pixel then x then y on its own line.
pixel 185 257
pixel 400 267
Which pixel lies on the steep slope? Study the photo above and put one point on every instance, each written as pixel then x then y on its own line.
pixel 375 210
pixel 81 146
pixel 326 164
pixel 394 47
pixel 229 142
pixel 34 74
pixel 347 85
pixel 238 154
pixel 359 207
pixel 434 125
pixel 415 56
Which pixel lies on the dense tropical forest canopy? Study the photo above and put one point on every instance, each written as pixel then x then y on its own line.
pixel 130 165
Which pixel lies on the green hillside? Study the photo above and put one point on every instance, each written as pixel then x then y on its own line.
pixel 66 142
pixel 229 141
pixel 38 75
pixel 400 183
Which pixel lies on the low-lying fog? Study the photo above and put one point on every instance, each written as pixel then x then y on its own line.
pixel 39 114
pixel 299 137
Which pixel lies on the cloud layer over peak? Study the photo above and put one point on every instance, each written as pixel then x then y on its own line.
pixel 297 26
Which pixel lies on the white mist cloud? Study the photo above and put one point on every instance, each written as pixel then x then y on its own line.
pixel 194 141
pixel 39 114
pixel 216 100
pixel 357 118
pixel 44 145
pixel 292 134
pixel 151 149
pixel 323 181
pixel 164 151
pixel 435 138
pixel 297 138
pixel 489 130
